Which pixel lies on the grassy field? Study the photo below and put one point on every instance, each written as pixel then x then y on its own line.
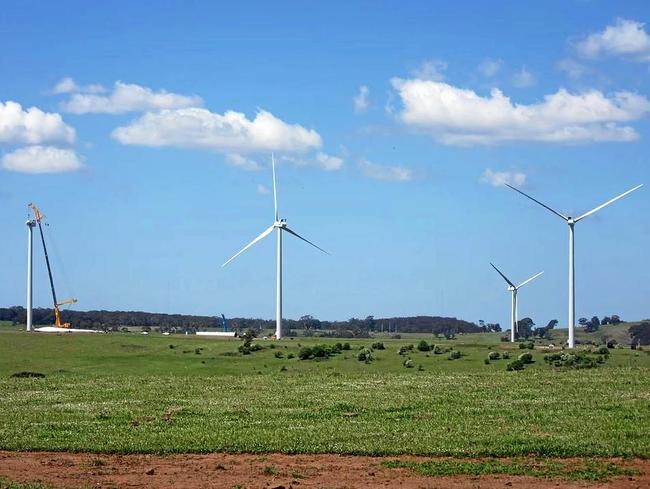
pixel 161 394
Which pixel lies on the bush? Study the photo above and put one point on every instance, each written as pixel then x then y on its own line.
pixel 486 361
pixel 423 346
pixel 378 346
pixel 454 355
pixel 494 355
pixel 305 353
pixel 577 360
pixel 438 350
pixel 364 355
pixel 505 355
pixel 279 354
pixel 504 339
pixel 526 345
pixel 515 365
pixel 290 356
pixel 603 350
pixel 526 358
pixel 408 363
pixel 346 346
pixel 338 346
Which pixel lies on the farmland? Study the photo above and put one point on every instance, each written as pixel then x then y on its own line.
pixel 127 393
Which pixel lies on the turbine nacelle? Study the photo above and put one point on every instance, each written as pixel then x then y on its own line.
pixel 281 223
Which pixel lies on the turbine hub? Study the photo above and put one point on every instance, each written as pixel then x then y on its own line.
pixel 282 223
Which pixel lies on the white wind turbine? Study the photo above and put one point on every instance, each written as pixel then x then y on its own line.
pixel 571 221
pixel 514 289
pixel 279 225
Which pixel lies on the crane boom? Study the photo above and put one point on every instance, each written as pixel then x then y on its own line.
pixel 38 216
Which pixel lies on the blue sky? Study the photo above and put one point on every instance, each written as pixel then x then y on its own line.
pixel 149 145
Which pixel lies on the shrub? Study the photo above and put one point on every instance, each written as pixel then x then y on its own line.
pixel 256 347
pixel 526 358
pixel 279 354
pixel 505 355
pixel 290 356
pixel 338 346
pixel 486 361
pixel 573 360
pixel 305 353
pixel 244 349
pixel 454 355
pixel 423 346
pixel 378 346
pixel 438 350
pixel 494 355
pixel 346 346
pixel 603 350
pixel 420 368
pixel 526 345
pixel 612 344
pixel 364 355
pixel 171 347
pixel 515 365
pixel 408 363
pixel 504 339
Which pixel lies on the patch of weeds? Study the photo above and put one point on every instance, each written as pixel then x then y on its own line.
pixel 297 475
pixel 577 360
pixel 515 365
pixel 27 375
pixel 7 484
pixel 269 470
pixel 588 470
pixel 97 462
pixel 455 355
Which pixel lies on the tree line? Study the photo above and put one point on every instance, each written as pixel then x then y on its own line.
pixel 310 326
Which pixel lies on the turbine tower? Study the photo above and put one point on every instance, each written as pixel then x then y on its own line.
pixel 280 226
pixel 571 221
pixel 30 275
pixel 514 289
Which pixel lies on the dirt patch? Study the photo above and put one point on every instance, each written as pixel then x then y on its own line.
pixel 219 470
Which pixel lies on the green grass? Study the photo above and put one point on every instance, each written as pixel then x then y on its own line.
pixel 587 470
pixel 127 393
pixel 5 484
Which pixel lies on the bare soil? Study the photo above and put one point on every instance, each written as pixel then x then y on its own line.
pixel 83 470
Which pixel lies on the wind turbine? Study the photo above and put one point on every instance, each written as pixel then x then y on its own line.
pixel 571 221
pixel 280 225
pixel 514 289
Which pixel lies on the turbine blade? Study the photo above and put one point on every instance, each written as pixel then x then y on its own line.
pixel 596 209
pixel 275 192
pixel 305 240
pixel 535 200
pixel 261 236
pixel 529 280
pixel 504 277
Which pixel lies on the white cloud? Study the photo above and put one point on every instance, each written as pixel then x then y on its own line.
pixel 127 97
pixel 385 173
pixel 624 38
pixel 430 69
pixel 41 159
pixel 329 162
pixel 459 116
pixel 242 162
pixel 361 100
pixel 500 178
pixel 490 67
pixel 68 85
pixel 231 132
pixel 32 126
pixel 523 78
pixel 572 68
pixel 262 189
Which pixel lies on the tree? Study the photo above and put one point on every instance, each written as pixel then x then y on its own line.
pixel 606 320
pixel 640 333
pixel 615 319
pixel 583 321
pixel 592 325
pixel 525 327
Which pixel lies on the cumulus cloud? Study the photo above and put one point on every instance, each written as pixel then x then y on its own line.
pixel 68 85
pixel 454 115
pixel 127 97
pixel 41 159
pixel 572 68
pixel 523 78
pixel 624 38
pixel 490 67
pixel 242 162
pixel 231 132
pixel 430 69
pixel 500 178
pixel 32 126
pixel 385 173
pixel 320 160
pixel 361 100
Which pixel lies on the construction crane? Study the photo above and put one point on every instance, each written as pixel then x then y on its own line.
pixel 39 217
